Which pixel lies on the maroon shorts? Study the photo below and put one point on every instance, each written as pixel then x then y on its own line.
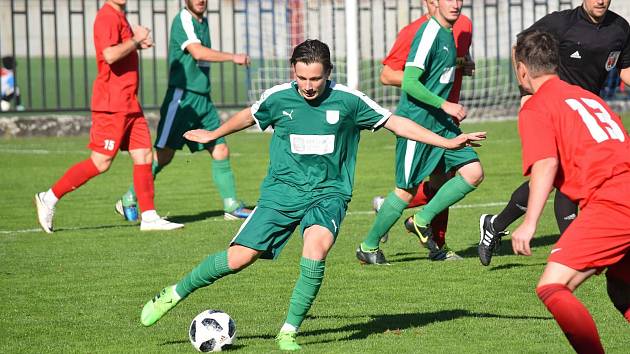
pixel 112 131
pixel 600 236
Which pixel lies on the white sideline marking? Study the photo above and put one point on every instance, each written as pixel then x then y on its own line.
pixel 217 219
pixel 81 152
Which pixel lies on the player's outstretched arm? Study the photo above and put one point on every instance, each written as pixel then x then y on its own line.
pixel 409 129
pixel 391 77
pixel 237 122
pixel 199 52
pixel 624 75
pixel 543 174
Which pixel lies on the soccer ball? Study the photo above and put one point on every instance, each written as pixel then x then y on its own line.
pixel 5 105
pixel 211 331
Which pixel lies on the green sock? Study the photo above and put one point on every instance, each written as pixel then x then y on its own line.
pixel 454 190
pixel 387 216
pixel 305 290
pixel 207 272
pixel 224 180
pixel 131 193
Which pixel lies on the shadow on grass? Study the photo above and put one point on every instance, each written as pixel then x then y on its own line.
pixel 393 323
pixel 196 217
pixel 226 348
pixel 396 322
pixel 97 227
pixel 516 265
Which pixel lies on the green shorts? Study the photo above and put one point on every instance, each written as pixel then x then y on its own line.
pixel 415 161
pixel 182 111
pixel 268 229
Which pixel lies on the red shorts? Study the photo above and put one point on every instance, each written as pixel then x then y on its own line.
pixel 600 236
pixel 118 130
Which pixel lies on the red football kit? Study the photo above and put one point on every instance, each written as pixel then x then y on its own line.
pixel 117 118
pixel 589 140
pixel 462 32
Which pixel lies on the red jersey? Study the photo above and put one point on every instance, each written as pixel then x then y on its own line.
pixel 462 32
pixel 115 88
pixel 577 127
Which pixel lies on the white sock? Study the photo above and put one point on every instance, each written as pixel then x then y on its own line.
pixel 286 327
pixel 50 199
pixel 150 215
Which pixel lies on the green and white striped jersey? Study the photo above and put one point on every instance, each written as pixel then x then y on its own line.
pixel 184 71
pixel 313 150
pixel 433 51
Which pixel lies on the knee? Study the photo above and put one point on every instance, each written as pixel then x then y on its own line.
pixel 102 165
pixel 474 176
pixel 221 152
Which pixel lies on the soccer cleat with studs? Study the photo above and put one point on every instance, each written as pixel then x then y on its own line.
pixel 237 214
pixel 423 233
pixel 489 239
pixel 157 307
pixel 371 257
pixel 286 341
pixel 44 213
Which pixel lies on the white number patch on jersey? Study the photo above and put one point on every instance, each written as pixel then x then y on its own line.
pixel 312 144
pixel 109 144
pixel 610 129
pixel 448 75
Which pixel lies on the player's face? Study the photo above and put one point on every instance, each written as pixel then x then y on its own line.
pixel 311 79
pixel 430 6
pixel 118 3
pixel 198 7
pixel 596 9
pixel 449 9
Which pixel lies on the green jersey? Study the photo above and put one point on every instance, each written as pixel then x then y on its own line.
pixel 313 149
pixel 433 51
pixel 184 71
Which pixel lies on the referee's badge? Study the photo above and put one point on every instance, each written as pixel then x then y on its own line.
pixel 332 117
pixel 612 60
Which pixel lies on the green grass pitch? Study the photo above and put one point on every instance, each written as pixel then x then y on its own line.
pixel 82 288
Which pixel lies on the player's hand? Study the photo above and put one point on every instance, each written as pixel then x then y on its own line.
pixel 241 59
pixel 466 139
pixel 455 110
pixel 140 33
pixel 521 238
pixel 199 135
pixel 147 43
pixel 468 68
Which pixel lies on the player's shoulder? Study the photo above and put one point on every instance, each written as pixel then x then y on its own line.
pixel 346 91
pixel 464 21
pixel 277 90
pixel 413 27
pixel 107 14
pixel 618 21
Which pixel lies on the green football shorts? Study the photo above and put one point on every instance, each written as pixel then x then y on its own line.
pixel 182 111
pixel 416 161
pixel 268 229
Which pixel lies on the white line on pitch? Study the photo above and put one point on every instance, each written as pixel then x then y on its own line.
pixel 362 212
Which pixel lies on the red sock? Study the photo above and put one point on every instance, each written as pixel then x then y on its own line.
pixel 572 317
pixel 75 177
pixel 143 184
pixel 627 315
pixel 438 224
pixel 422 197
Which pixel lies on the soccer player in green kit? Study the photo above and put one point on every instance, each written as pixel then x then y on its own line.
pixel 187 105
pixel 428 77
pixel 312 154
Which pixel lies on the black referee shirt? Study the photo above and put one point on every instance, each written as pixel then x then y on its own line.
pixel 588 51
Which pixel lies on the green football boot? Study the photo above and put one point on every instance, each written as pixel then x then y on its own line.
pixel 159 306
pixel 286 341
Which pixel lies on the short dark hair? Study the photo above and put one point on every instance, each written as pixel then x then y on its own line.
pixel 312 51
pixel 8 62
pixel 539 51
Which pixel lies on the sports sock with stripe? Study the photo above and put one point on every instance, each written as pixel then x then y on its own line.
pixel 211 269
pixel 454 190
pixel 223 178
pixel 305 290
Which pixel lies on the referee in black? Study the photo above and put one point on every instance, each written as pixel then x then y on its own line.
pixel 593 41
